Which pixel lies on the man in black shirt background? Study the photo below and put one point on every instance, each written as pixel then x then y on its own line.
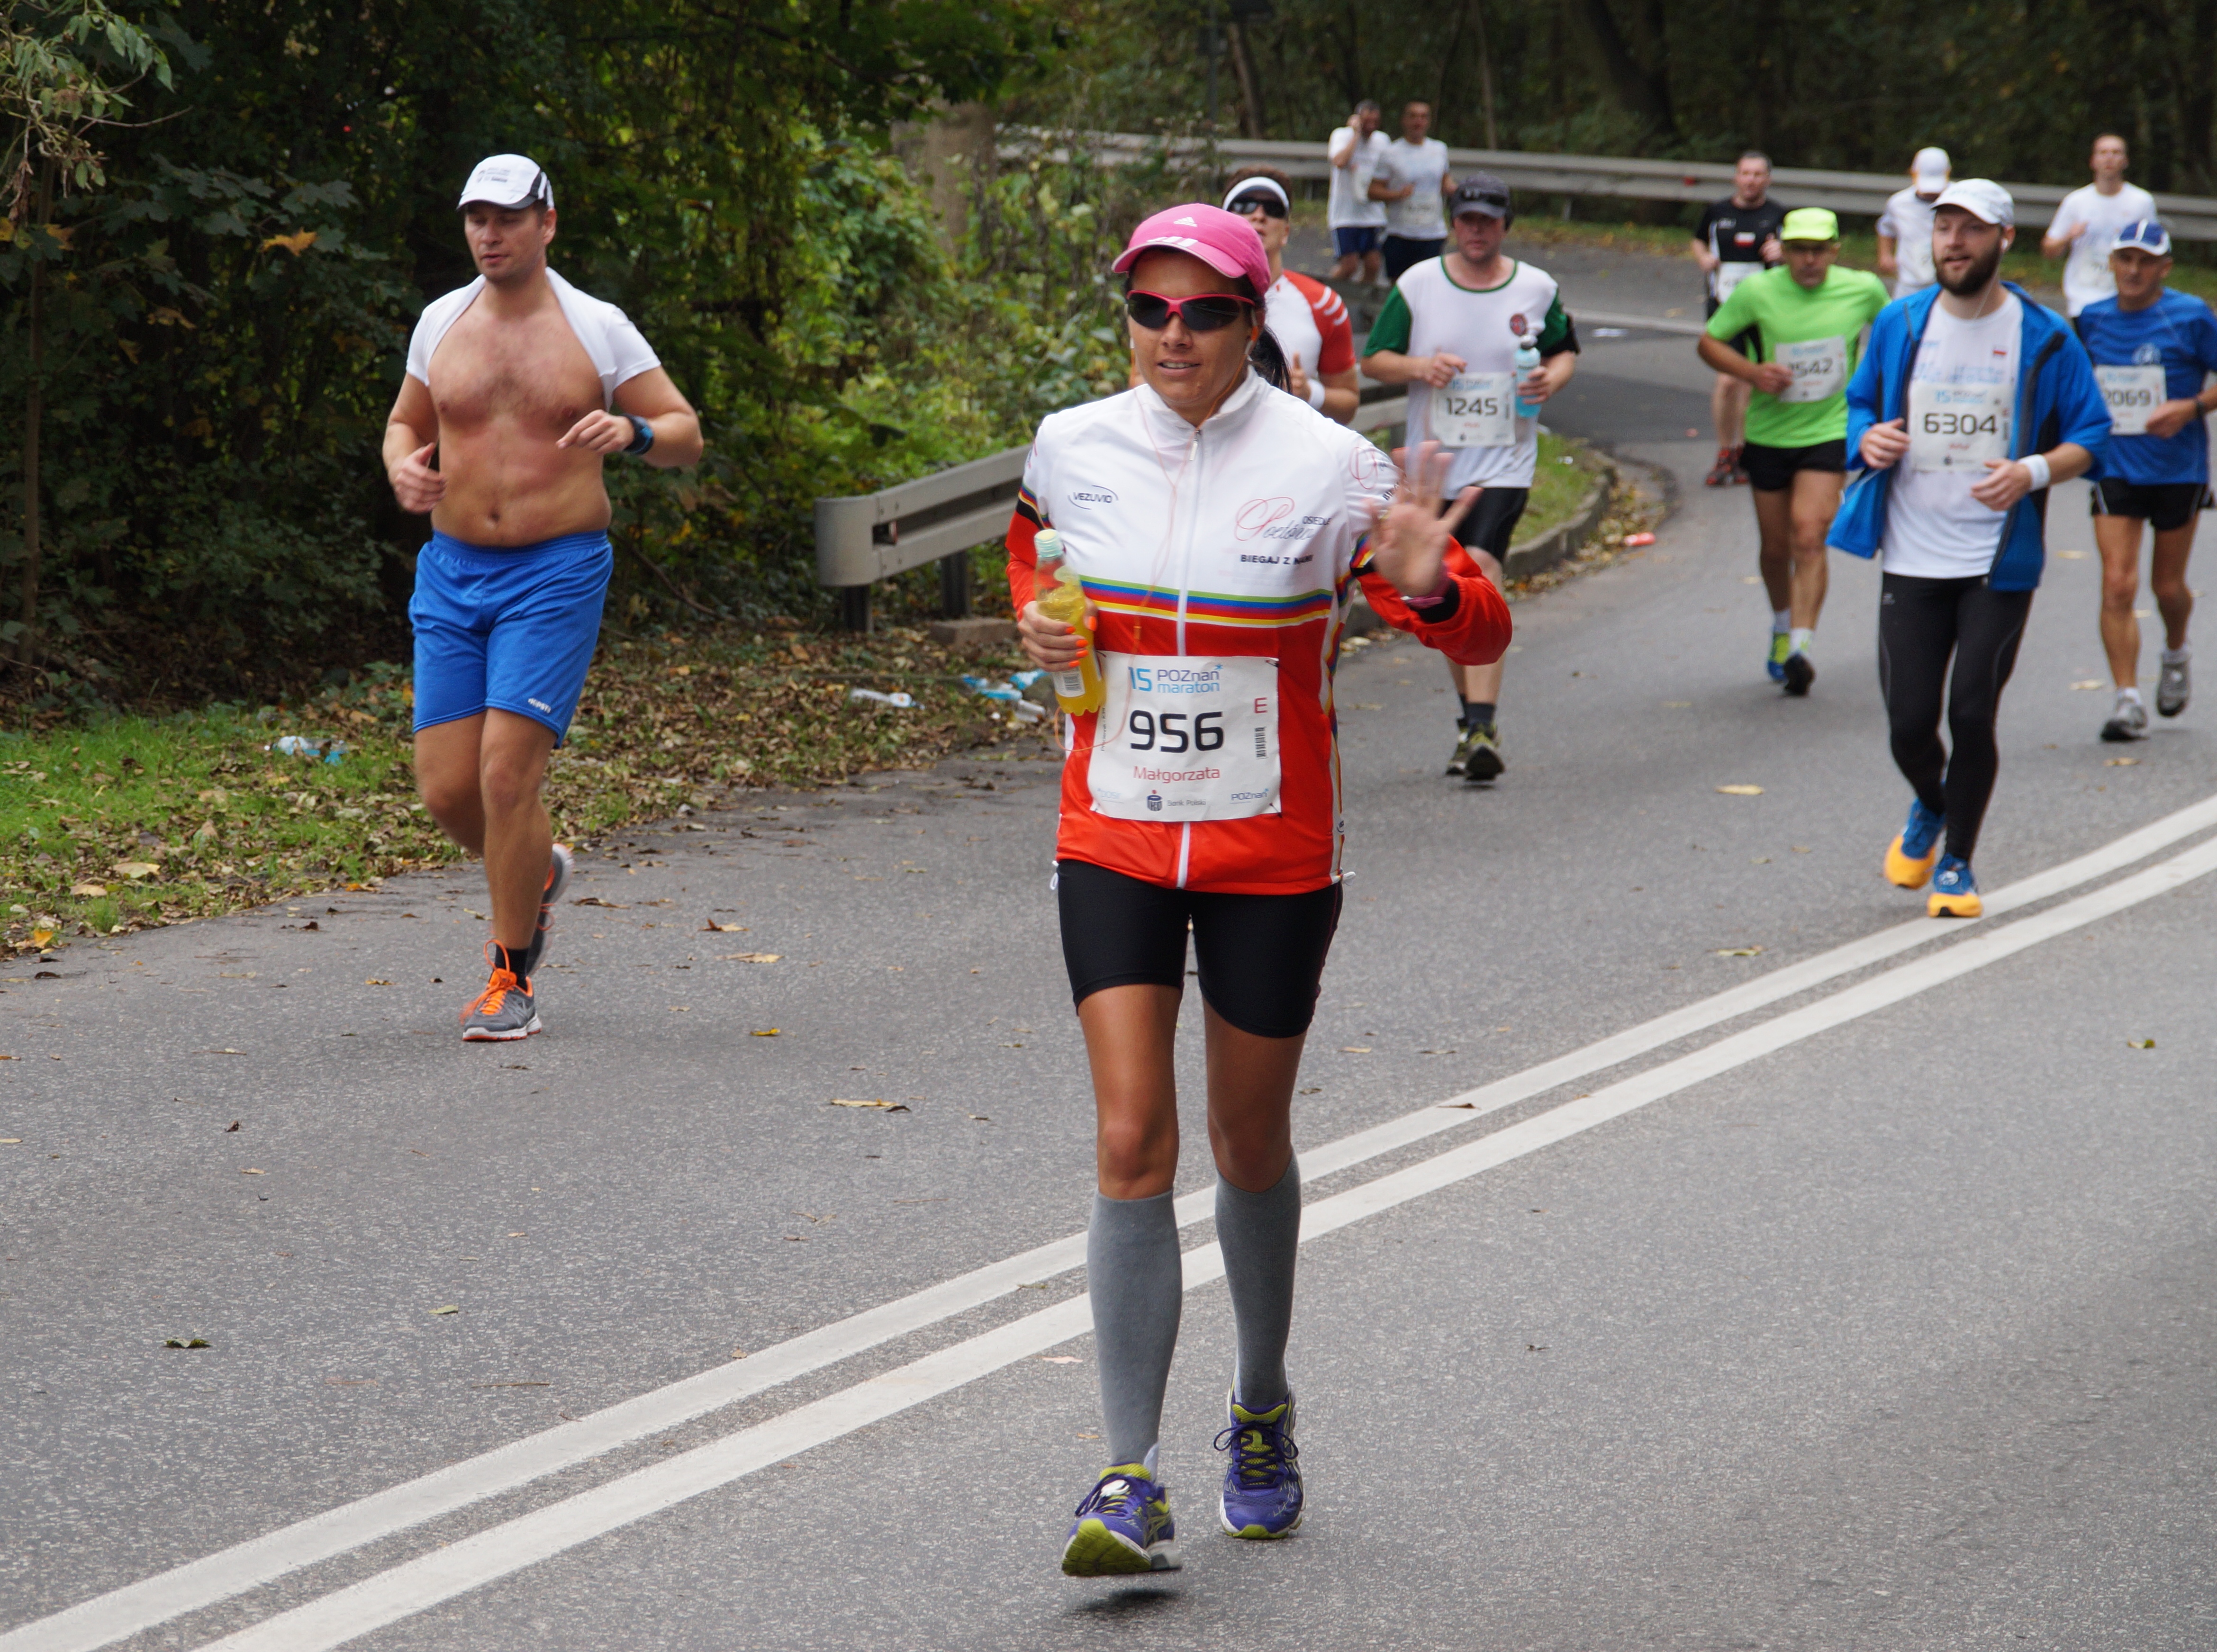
pixel 1738 237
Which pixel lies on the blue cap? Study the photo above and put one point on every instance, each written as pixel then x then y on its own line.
pixel 2146 235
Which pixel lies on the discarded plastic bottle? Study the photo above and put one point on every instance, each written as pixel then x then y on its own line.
pixel 1528 360
pixel 294 745
pixel 1078 689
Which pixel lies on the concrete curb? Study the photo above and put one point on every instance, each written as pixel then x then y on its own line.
pixel 1528 557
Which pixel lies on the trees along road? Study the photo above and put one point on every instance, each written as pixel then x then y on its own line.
pixel 1804 1273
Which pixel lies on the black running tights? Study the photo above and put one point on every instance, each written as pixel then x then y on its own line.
pixel 1921 623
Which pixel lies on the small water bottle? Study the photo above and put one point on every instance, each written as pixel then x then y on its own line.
pixel 1528 360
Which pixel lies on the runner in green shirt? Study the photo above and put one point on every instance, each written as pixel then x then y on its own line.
pixel 1807 319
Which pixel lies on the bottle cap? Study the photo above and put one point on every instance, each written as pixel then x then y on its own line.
pixel 1047 545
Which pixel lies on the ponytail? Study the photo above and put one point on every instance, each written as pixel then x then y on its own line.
pixel 1268 360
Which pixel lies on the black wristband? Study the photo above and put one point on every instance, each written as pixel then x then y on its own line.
pixel 642 434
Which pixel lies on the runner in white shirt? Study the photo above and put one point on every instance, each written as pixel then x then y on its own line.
pixel 1905 228
pixel 1305 316
pixel 2088 220
pixel 1452 332
pixel 1357 222
pixel 1969 403
pixel 1413 181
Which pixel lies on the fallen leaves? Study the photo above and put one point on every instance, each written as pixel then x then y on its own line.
pixel 879 1104
pixel 2119 762
pixel 2140 1044
pixel 449 1308
pixel 713 927
pixel 749 958
pixel 191 1342
pixel 254 1172
pixel 1737 952
pixel 1354 1049
pixel 2090 682
pixel 1741 790
pixel 377 981
pixel 763 1032
pixel 233 1126
pixel 135 869
pixel 594 900
pixel 89 890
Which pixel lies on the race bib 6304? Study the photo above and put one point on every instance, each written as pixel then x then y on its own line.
pixel 1186 738
pixel 1957 426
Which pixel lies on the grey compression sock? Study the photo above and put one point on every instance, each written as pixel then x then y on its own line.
pixel 1136 1279
pixel 1260 1234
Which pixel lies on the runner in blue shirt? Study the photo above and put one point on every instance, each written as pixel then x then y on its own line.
pixel 2152 349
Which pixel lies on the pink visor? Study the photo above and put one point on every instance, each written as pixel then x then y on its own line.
pixel 1226 242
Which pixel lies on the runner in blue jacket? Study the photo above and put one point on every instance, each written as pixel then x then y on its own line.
pixel 1970 401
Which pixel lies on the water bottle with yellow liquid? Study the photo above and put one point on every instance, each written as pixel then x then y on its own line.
pixel 1078 689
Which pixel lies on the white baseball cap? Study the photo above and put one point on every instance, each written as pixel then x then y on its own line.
pixel 508 181
pixel 1930 169
pixel 1982 197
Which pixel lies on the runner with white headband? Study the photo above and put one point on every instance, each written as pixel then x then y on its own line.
pixel 1219 529
pixel 1305 316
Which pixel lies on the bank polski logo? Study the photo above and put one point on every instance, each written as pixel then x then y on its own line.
pixel 1155 801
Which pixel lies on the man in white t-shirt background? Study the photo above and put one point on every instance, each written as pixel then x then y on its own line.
pixel 1357 222
pixel 1414 183
pixel 2087 220
pixel 520 386
pixel 1905 228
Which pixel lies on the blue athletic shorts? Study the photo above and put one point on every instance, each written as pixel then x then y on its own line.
pixel 507 628
pixel 1355 238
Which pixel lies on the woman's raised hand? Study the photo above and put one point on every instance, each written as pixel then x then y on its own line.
pixel 1408 536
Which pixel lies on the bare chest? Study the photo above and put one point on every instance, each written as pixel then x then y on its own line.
pixel 533 372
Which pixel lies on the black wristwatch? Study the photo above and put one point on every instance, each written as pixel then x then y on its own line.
pixel 642 434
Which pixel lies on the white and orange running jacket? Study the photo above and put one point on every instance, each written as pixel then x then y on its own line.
pixel 1220 558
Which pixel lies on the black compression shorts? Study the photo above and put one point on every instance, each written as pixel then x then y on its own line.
pixel 1491 523
pixel 2162 505
pixel 1771 470
pixel 1260 956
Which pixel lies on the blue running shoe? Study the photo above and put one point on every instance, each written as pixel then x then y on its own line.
pixel 1123 1526
pixel 1781 646
pixel 1909 858
pixel 1954 891
pixel 1261 1487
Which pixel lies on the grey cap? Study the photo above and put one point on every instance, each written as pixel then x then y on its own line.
pixel 1481 192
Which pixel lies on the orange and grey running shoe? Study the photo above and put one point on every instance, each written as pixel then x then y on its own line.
pixel 558 880
pixel 504 1011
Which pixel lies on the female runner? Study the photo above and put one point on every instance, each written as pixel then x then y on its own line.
pixel 1220 527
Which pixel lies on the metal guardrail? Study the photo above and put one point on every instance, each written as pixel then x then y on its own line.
pixel 2191 217
pixel 940 517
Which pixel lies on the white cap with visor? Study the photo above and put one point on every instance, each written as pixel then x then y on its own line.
pixel 508 181
pixel 1982 197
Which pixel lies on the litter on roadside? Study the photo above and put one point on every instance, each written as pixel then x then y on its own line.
pixel 297 745
pixel 897 700
pixel 1013 695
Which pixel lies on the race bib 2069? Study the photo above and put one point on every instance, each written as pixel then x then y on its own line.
pixel 2133 393
pixel 1182 737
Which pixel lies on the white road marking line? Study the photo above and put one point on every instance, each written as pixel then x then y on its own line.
pixel 499 1551
pixel 122 1612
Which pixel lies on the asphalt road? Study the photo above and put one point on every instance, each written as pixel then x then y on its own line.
pixel 1875 1315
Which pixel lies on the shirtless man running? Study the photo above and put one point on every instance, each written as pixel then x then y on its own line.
pixel 509 388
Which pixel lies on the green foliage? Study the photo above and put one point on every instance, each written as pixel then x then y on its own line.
pixel 229 319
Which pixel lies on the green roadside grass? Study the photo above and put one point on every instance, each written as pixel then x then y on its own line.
pixel 1567 470
pixel 135 821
